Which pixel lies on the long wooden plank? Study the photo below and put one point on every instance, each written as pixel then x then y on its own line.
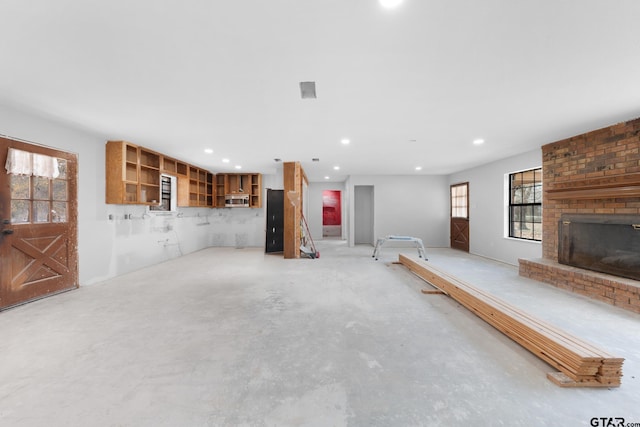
pixel 545 349
pixel 498 303
pixel 580 342
pixel 579 373
pixel 432 292
pixel 581 362
pixel 545 328
pixel 480 313
pixel 470 296
pixel 533 349
pixel 562 380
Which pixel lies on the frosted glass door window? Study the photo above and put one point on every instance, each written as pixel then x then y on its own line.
pixel 39 199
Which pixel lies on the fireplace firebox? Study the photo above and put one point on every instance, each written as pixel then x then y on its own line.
pixel 605 243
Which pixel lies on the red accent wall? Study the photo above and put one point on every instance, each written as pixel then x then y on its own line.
pixel 331 208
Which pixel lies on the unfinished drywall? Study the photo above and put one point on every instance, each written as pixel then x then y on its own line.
pixel 405 205
pixel 487 208
pixel 140 238
pixel 115 239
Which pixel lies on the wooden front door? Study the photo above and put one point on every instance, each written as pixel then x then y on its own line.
pixel 38 222
pixel 460 216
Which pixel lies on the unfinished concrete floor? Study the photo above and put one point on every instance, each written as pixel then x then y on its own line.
pixel 235 337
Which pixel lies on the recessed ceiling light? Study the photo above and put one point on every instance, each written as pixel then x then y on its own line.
pixel 238 167
pixel 225 160
pixel 336 168
pixel 208 150
pixel 418 168
pixel 345 141
pixel 390 4
pixel 326 177
pixel 478 141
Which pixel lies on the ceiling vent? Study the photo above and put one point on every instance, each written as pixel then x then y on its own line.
pixel 308 90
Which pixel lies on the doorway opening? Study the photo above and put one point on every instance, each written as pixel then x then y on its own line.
pixel 363 214
pixel 331 214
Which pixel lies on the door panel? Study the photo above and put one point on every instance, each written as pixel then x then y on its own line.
pixel 275 221
pixel 459 233
pixel 38 229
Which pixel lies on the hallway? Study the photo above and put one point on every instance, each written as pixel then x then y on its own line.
pixel 235 337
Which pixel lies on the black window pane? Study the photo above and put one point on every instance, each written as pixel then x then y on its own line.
pixel 515 213
pixel 537 213
pixel 527 194
pixel 525 215
pixel 517 195
pixel 538 193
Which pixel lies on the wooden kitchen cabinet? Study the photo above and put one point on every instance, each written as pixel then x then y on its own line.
pixel 200 186
pixel 132 174
pixel 238 190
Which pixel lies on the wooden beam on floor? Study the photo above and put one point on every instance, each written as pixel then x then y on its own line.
pixel 432 292
pixel 584 364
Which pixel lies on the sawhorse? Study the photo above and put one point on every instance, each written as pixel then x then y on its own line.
pixel 382 240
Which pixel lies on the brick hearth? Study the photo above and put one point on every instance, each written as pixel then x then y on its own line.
pixel 594 173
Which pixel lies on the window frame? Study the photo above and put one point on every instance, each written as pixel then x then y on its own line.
pixel 33 198
pixel 453 198
pixel 511 205
pixel 172 199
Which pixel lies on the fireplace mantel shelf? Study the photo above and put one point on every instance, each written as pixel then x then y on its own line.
pixel 606 187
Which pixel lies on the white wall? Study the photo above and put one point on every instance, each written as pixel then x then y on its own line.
pixel 487 208
pixel 109 244
pixel 405 205
pixel 95 243
pixel 315 206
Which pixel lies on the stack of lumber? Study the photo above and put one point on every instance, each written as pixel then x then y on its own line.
pixel 581 364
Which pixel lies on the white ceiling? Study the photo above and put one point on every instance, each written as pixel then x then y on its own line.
pixel 409 87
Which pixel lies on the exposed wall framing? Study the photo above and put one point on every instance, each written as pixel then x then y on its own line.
pixel 295 184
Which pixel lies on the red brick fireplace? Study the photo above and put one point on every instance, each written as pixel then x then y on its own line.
pixel 593 174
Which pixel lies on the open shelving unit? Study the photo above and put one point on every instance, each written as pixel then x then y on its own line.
pixel 174 167
pixel 200 187
pixel 221 185
pixel 256 191
pixel 210 190
pixel 133 176
pixel 149 164
pixel 249 184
